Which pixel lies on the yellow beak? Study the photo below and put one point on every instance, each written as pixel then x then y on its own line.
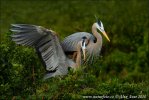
pixel 84 53
pixel 105 34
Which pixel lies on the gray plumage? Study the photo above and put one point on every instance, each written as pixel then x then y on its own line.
pixel 71 41
pixel 52 52
pixel 94 44
pixel 92 50
pixel 46 43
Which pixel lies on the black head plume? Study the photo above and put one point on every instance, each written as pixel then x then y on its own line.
pixel 84 37
pixel 98 21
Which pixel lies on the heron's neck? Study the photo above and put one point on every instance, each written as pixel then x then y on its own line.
pixel 95 33
pixel 98 43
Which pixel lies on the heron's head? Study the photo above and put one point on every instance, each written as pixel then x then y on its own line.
pixel 84 43
pixel 100 27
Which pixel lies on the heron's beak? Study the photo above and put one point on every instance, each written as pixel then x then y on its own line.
pixel 84 53
pixel 105 34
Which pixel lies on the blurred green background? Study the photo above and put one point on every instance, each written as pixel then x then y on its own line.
pixel 122 69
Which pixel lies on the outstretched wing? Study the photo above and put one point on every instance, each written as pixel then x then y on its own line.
pixel 46 43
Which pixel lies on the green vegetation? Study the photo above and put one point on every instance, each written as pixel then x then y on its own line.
pixel 122 69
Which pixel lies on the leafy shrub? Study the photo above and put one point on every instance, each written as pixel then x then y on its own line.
pixel 121 69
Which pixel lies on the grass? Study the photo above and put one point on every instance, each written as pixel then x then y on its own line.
pixel 120 72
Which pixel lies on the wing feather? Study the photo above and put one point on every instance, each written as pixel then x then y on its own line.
pixel 71 41
pixel 47 45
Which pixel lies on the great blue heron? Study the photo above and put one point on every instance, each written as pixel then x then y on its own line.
pixel 54 53
pixel 93 42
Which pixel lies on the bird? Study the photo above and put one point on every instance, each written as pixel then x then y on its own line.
pixel 93 41
pixel 47 46
pixel 53 53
